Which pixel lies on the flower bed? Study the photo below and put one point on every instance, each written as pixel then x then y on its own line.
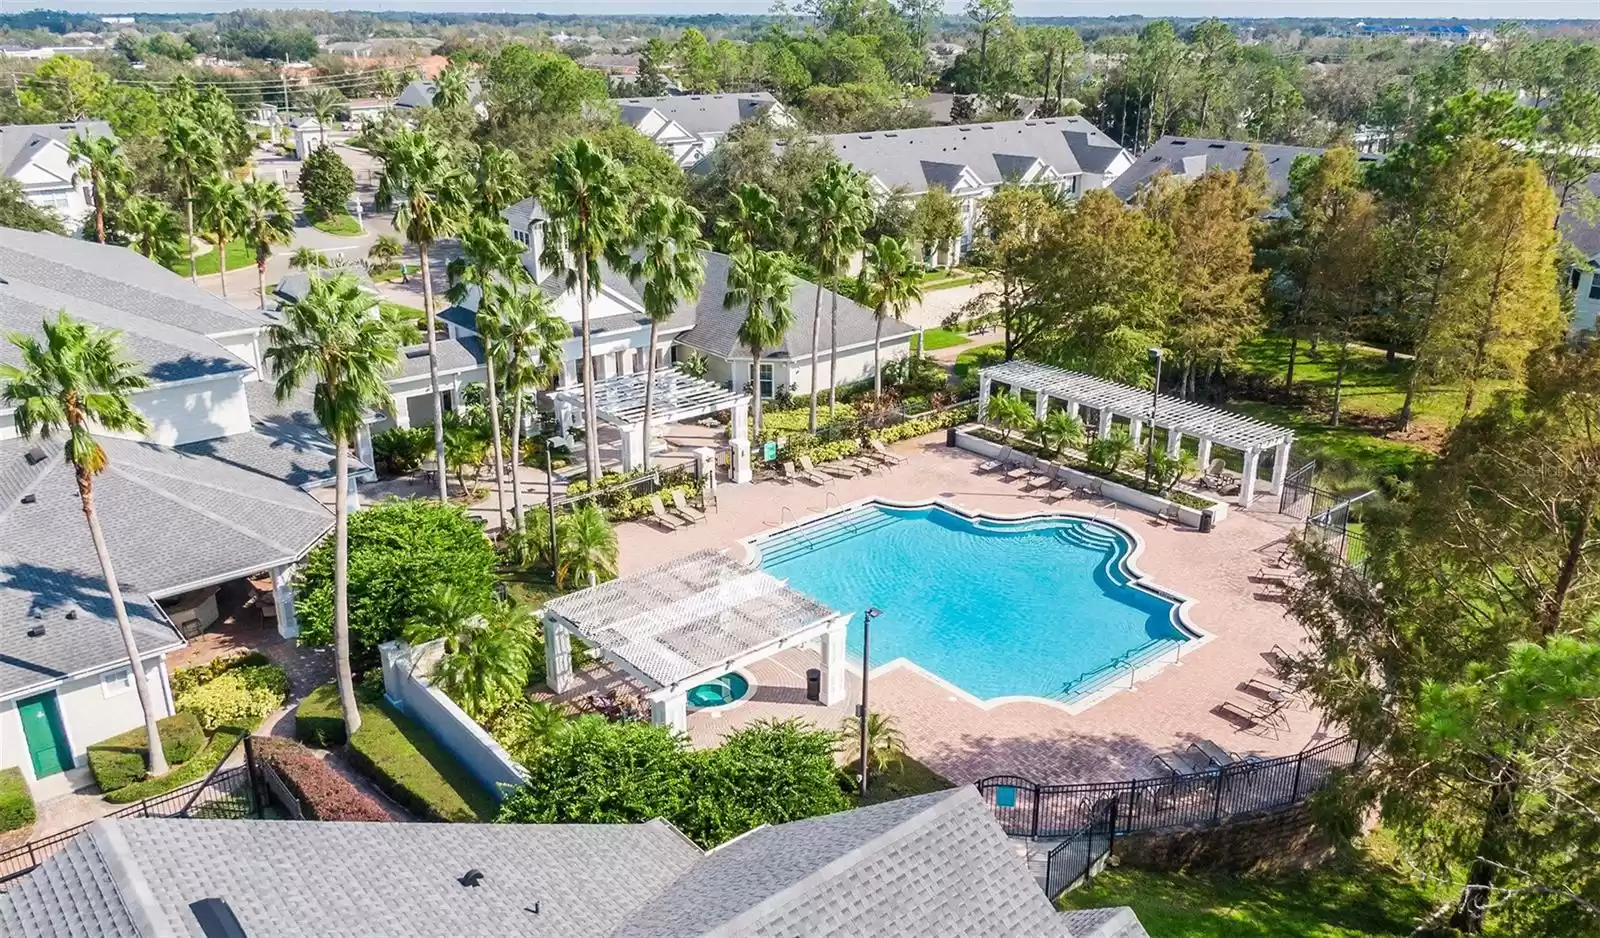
pixel 322 793
pixel 1120 486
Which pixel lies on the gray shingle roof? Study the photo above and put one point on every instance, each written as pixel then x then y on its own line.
pixel 920 867
pixel 1582 232
pixel 1112 922
pixel 287 443
pixel 700 113
pixel 164 318
pixel 519 216
pixel 172 520
pixel 918 158
pixel 420 93
pixel 18 142
pixel 1193 156
pixel 454 355
pixel 297 283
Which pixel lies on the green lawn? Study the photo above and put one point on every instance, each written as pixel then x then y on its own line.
pixel 940 281
pixel 338 225
pixel 1362 896
pixel 908 778
pixel 239 255
pixel 414 313
pixel 935 339
pixel 980 357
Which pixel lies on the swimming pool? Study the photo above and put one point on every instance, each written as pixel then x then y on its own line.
pixel 1040 607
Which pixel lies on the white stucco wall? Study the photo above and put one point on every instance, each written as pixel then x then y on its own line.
pixel 1586 308
pixel 247 347
pixel 90 712
pixel 854 365
pixel 191 411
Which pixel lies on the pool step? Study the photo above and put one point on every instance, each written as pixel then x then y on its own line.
pixel 1080 536
pixel 826 533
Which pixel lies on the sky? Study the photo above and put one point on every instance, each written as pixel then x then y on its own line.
pixel 1432 9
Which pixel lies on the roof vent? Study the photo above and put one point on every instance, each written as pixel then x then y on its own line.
pixel 216 919
pixel 1181 143
pixel 35 455
pixel 471 878
pixel 1217 146
pixel 72 615
pixel 36 632
pixel 29 498
pixel 420 351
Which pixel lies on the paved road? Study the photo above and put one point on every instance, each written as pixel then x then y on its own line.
pixel 937 304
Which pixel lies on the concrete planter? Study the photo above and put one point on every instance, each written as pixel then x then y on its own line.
pixel 962 438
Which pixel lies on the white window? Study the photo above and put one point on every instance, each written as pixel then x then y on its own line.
pixel 521 235
pixel 1594 286
pixel 766 381
pixel 116 683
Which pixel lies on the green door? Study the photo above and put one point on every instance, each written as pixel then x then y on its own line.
pixel 47 741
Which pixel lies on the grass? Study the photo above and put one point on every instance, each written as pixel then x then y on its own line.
pixel 338 225
pixel 979 357
pixel 240 255
pixel 415 769
pixel 1359 896
pixel 904 780
pixel 935 339
pixel 413 313
pixel 945 283
pixel 196 768
pixel 16 802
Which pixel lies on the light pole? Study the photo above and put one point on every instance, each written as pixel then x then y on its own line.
pixel 1155 399
pixel 861 711
pixel 550 508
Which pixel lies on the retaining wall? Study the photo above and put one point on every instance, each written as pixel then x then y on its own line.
pixel 1273 841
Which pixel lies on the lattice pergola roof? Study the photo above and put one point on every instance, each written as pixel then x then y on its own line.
pixel 619 401
pixel 690 617
pixel 1186 417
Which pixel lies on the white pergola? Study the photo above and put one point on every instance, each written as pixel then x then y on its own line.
pixel 1180 418
pixel 688 622
pixel 619 401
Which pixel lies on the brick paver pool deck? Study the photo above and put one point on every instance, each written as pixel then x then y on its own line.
pixel 1114 739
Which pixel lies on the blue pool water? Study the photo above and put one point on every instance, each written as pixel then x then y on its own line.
pixel 1038 608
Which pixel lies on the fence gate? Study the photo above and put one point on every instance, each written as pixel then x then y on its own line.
pixel 1297 489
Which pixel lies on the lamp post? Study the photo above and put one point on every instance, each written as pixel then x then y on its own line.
pixel 550 508
pixel 861 711
pixel 1155 399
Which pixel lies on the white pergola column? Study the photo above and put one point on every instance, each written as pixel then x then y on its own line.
pixel 564 418
pixel 1041 405
pixel 283 598
pixel 1174 443
pixel 1204 455
pixel 671 709
pixel 1280 467
pixel 833 660
pixel 985 385
pixel 633 447
pixel 557 655
pixel 1073 410
pixel 364 444
pixel 740 434
pixel 1136 430
pixel 1105 421
pixel 1247 485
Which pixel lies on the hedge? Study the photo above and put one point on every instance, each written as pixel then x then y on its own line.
pixel 239 697
pixel 415 770
pixel 322 792
pixel 187 679
pixel 16 803
pixel 318 720
pixel 119 761
pixel 197 768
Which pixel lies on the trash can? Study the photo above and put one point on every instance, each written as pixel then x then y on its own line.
pixel 813 684
pixel 950 437
pixel 1207 520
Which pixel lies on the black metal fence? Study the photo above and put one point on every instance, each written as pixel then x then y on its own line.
pixel 225 793
pixel 1082 813
pixel 1298 491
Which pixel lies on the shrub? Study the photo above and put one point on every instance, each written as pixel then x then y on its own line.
pixel 400 551
pixel 241 697
pixel 414 769
pixel 769 772
pixel 186 679
pixel 119 761
pixel 318 720
pixel 322 792
pixel 401 449
pixel 198 767
pixel 16 803
pixel 326 184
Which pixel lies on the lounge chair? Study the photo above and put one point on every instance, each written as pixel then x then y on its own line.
pixel 867 464
pixel 659 515
pixel 1214 754
pixel 882 452
pixel 684 510
pixel 1175 763
pixel 1278 659
pixel 1058 489
pixel 1267 713
pixel 1267 683
pixel 811 475
pixel 1045 476
pixel 1021 470
pixel 833 469
pixel 1007 455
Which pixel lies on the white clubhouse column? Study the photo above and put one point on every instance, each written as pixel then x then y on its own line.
pixel 557 655
pixel 671 708
pixel 1280 467
pixel 283 598
pixel 1247 486
pixel 739 434
pixel 833 661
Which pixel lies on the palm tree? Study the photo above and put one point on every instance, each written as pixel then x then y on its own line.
pixel 491 263
pixel 671 266
pixel 588 546
pixel 191 153
pixel 1110 450
pixel 831 219
pixel 751 217
pixel 109 174
pixel 855 212
pixel 452 91
pixel 424 187
pixel 500 177
pixel 306 258
pixel 222 211
pixel 1009 413
pixel 486 648
pixel 525 341
pixel 322 101
pixel 885 746
pixel 760 282
pixel 152 228
pixel 385 251
pixel 331 339
pixel 1057 431
pixel 77 378
pixel 266 220
pixel 585 193
pixel 890 283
